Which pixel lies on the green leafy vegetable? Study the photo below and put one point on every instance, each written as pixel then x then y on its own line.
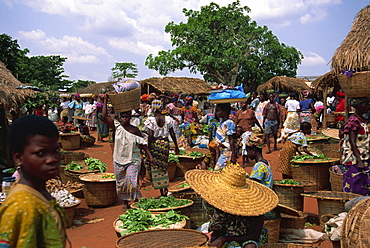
pixel 74 166
pixel 161 202
pixel 95 164
pixel 288 181
pixel 172 157
pixel 108 175
pixel 182 152
pixel 306 156
pixel 183 185
pixel 196 154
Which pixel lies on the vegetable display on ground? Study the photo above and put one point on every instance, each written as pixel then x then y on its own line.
pixel 161 202
pixel 288 181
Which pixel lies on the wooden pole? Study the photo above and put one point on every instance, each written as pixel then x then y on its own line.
pixel 325 95
pixel 346 108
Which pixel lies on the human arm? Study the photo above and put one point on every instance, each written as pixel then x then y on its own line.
pixel 173 137
pixel 312 107
pixel 257 122
pixel 232 148
pixel 107 118
pixel 352 141
pixel 305 149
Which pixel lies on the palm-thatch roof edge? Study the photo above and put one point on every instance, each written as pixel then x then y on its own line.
pixel 284 84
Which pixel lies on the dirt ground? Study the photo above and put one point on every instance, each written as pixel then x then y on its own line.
pixel 96 228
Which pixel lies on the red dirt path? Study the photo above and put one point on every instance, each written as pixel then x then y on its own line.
pixel 102 235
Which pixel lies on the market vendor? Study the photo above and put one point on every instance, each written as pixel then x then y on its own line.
pixel 239 204
pixel 86 138
pixel 341 107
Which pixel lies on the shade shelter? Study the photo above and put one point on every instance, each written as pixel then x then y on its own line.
pixel 284 84
pixel 174 85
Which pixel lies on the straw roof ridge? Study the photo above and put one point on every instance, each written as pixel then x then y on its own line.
pixel 10 96
pixel 354 52
pixel 329 79
pixel 284 84
pixel 174 85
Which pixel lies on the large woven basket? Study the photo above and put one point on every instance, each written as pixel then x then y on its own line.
pixel 70 141
pixel 70 212
pixel 74 176
pixel 357 85
pixel 290 194
pixel 292 218
pixel 330 119
pixel 200 212
pixel 163 238
pixel 126 101
pixel 316 172
pixel 273 227
pixel 356 226
pixel 331 201
pixel 336 180
pixel 285 245
pixel 117 223
pixel 188 163
pixel 68 157
pixel 98 191
pixel 331 150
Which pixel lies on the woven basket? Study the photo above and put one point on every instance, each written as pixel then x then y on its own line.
pixel 70 212
pixel 175 188
pixel 315 172
pixel 355 229
pixel 74 176
pixel 188 163
pixel 290 194
pixel 336 180
pixel 126 101
pixel 331 201
pixel 163 238
pixel 285 245
pixel 273 227
pixel 68 157
pixel 70 141
pixel 200 212
pixel 330 119
pixel 117 223
pixel 135 205
pixel 291 218
pixel 331 150
pixel 98 191
pixel 357 85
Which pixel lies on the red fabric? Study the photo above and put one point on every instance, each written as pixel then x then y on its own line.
pixel 340 108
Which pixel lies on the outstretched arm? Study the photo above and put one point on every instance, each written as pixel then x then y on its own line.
pixel 107 118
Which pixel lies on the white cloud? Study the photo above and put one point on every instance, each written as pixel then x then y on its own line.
pixel 37 34
pixel 312 59
pixel 135 47
pixel 315 15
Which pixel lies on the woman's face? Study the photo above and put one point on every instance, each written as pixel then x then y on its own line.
pixel 124 118
pixel 220 113
pixel 40 157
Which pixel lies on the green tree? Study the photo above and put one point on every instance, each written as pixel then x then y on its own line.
pixel 225 46
pixel 46 71
pixel 11 54
pixel 124 70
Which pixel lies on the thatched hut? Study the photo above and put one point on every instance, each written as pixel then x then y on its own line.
pixel 353 53
pixel 284 84
pixel 174 85
pixel 10 96
pixel 321 84
pixel 97 88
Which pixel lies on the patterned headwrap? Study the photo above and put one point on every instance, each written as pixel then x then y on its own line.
pixel 76 95
pixel 254 141
pixel 144 97
pixel 306 93
pixel 355 101
pixel 164 112
pixel 212 144
pixel 340 94
pixel 156 104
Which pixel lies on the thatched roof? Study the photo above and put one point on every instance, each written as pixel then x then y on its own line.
pixel 284 84
pixel 326 80
pixel 97 88
pixel 10 96
pixel 174 85
pixel 354 52
pixel 171 85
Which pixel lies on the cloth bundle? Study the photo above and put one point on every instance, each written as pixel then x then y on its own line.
pixel 125 84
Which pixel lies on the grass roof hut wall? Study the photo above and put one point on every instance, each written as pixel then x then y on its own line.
pixel 353 53
pixel 174 85
pixel 284 84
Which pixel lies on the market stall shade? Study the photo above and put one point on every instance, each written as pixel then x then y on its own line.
pixel 284 84
pixel 10 96
pixel 323 82
pixel 353 53
pixel 174 85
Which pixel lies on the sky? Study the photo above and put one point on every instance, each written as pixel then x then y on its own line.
pixel 95 34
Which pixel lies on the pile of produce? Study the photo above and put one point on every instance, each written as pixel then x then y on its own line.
pixel 319 157
pixel 195 154
pixel 108 175
pixel 183 185
pixel 91 163
pixel 172 157
pixel 53 185
pixel 135 220
pixel 64 198
pixel 288 181
pixel 162 202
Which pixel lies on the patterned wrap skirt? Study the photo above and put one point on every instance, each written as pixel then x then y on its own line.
pixel 292 123
pixel 160 150
pixel 102 126
pixel 357 180
pixel 286 155
pixel 127 181
pixel 307 116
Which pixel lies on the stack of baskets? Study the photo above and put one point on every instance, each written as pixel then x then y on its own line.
pixel 99 191
pixel 331 150
pixel 70 212
pixel 336 180
pixel 126 101
pixel 70 141
pixel 356 85
pixel 292 218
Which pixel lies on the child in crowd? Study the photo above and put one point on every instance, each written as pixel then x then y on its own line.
pixel 86 138
pixel 30 216
pixel 211 157
pixel 64 126
pixel 291 147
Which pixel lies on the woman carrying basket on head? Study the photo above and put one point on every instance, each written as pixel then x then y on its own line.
pixel 159 128
pixel 128 142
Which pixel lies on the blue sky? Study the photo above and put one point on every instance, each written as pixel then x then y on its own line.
pixel 94 34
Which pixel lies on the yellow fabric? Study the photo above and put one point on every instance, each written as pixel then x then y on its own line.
pixel 28 220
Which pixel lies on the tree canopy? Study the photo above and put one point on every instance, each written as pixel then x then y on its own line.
pixel 124 70
pixel 225 46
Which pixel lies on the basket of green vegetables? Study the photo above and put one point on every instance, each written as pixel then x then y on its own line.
pixel 163 203
pixel 191 159
pixel 137 219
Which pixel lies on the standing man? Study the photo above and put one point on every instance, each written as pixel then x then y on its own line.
pixel 271 121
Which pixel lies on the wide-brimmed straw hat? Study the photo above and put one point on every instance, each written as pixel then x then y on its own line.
pixel 81 118
pixel 231 192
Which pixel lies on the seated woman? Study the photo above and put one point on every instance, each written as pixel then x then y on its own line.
pixel 86 138
pixel 238 217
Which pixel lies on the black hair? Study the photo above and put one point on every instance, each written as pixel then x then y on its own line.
pixel 293 95
pixel 65 118
pixel 126 112
pixel 28 125
pixel 305 126
pixel 254 148
pixel 225 107
pixel 271 94
pixel 263 94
